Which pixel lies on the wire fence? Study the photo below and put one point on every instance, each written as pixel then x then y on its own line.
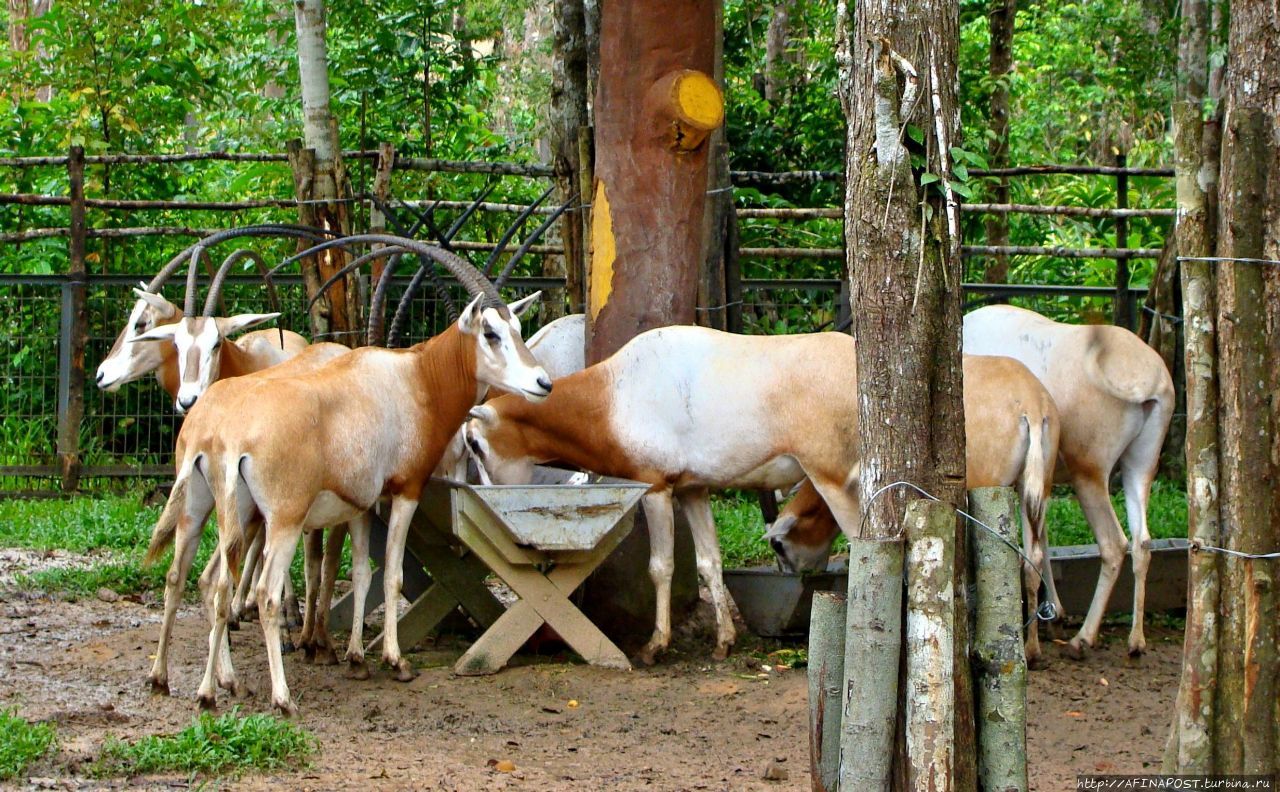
pixel 129 434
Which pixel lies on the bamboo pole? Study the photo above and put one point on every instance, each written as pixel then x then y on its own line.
pixel 999 661
pixel 930 645
pixel 826 676
pixel 873 646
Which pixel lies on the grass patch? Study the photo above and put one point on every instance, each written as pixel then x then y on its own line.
pixel 211 745
pixel 21 743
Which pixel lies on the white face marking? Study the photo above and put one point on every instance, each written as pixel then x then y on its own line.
pixel 199 346
pixel 129 361
pixel 502 359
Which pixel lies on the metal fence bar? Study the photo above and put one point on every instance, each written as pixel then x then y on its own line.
pixel 1123 305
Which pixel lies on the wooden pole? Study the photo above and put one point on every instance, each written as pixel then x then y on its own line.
pixel 1000 663
pixel 930 646
pixel 302 161
pixel 873 647
pixel 826 676
pixel 74 332
pixel 1123 305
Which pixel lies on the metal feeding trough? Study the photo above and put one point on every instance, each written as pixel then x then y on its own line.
pixel 541 539
pixel 776 604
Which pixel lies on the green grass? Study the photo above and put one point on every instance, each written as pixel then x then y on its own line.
pixel 741 527
pixel 21 743
pixel 211 745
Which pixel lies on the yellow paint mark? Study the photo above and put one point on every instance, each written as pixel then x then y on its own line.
pixel 604 251
pixel 698 100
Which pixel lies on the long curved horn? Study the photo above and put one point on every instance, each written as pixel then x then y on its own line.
pixel 528 243
pixel 374 336
pixel 356 264
pixel 193 277
pixel 215 286
pixel 402 310
pixel 470 210
pixel 265 229
pixel 513 229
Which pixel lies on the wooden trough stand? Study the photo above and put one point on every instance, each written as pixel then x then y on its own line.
pixel 542 540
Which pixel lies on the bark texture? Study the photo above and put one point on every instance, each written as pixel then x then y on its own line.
pixel 897 66
pixel 1000 23
pixel 826 678
pixel 997 643
pixel 652 115
pixel 568 115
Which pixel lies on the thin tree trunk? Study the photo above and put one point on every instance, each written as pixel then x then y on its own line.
pixel 775 49
pixel 1001 19
pixel 826 683
pixel 569 114
pixel 903 254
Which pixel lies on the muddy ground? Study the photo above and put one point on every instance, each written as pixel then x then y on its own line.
pixel 686 724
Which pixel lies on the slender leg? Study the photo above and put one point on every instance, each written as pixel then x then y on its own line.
pixel 312 561
pixel 195 512
pixel 218 600
pixel 361 575
pixel 402 510
pixel 697 505
pixel 281 544
pixel 252 562
pixel 662 552
pixel 1137 490
pixel 1096 502
pixel 1031 583
pixel 321 640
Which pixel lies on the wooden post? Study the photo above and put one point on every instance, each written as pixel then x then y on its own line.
pixel 930 646
pixel 575 278
pixel 1123 304
pixel 999 659
pixel 873 648
pixel 73 332
pixel 302 162
pixel 655 107
pixel 568 116
pixel 826 677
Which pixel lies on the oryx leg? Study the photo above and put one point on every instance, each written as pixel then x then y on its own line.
pixel 1091 490
pixel 361 576
pixel 697 507
pixel 1034 548
pixel 281 544
pixel 248 578
pixel 402 509
pixel 1137 490
pixel 321 641
pixel 312 561
pixel 192 517
pixel 662 552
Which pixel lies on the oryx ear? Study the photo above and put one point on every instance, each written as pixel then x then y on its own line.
pixel 520 306
pixel 159 304
pixel 161 333
pixel 484 414
pixel 467 319
pixel 234 324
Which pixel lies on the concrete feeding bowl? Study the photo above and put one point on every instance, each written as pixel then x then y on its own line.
pixel 776 604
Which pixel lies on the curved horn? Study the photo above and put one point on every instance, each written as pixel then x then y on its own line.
pixel 215 285
pixel 513 229
pixel 402 309
pixel 374 335
pixel 528 243
pixel 265 229
pixel 356 264
pixel 193 276
pixel 470 210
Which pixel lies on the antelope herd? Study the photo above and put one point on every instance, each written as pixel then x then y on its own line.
pixel 685 410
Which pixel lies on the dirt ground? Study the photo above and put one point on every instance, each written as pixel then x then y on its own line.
pixel 686 724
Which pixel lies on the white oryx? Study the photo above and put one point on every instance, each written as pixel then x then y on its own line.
pixel 387 416
pixel 1011 427
pixel 687 410
pixel 1115 398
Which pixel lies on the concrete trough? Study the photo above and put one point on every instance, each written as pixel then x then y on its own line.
pixel 776 604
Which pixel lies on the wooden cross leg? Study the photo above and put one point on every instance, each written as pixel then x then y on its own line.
pixel 544 598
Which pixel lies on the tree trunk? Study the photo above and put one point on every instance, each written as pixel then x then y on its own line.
pixel 569 114
pixel 826 683
pixel 1001 19
pixel 903 243
pixel 328 181
pixel 654 109
pixel 775 49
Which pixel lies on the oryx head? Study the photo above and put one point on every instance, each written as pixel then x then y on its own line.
pixel 802 536
pixel 129 361
pixel 199 343
pixel 502 359
pixel 484 434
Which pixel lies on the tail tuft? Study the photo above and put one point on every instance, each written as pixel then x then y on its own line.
pixel 167 526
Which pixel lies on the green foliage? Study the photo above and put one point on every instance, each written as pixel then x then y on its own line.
pixel 211 745
pixel 22 743
pixel 1166 515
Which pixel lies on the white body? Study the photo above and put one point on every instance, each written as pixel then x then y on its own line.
pixel 1115 398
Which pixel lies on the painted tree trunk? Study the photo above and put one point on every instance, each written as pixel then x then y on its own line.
pixel 930 646
pixel 873 647
pixel 654 107
pixel 902 242
pixel 826 682
pixel 1001 663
